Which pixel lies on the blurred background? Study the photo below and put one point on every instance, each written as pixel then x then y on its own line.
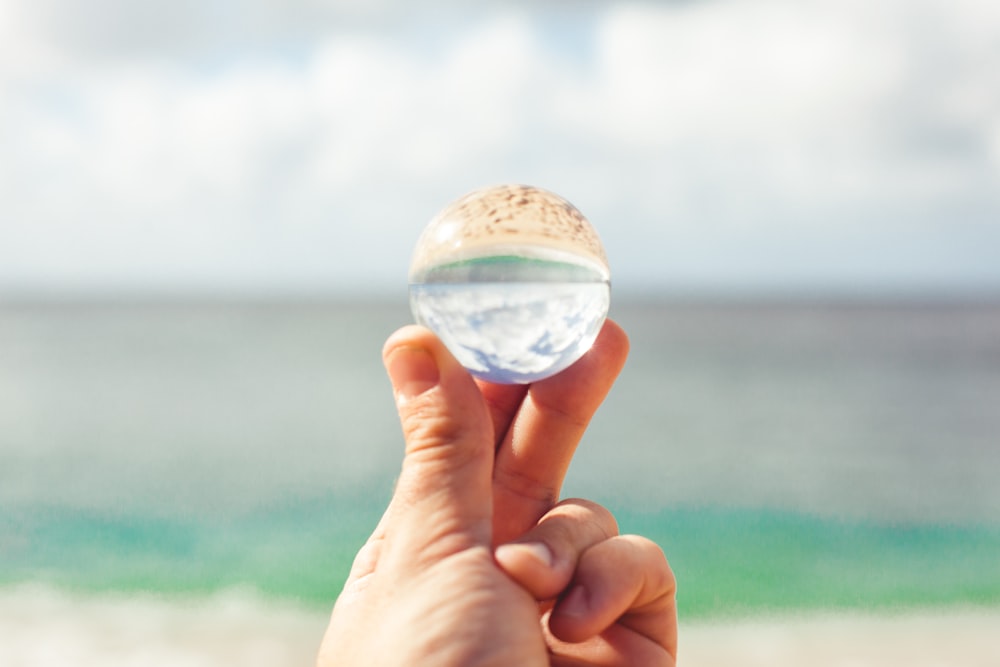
pixel 206 216
pixel 298 147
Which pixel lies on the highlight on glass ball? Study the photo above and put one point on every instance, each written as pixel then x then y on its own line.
pixel 513 280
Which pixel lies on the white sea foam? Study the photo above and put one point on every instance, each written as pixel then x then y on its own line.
pixel 42 627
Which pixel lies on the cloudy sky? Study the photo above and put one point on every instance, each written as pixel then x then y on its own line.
pixel 300 146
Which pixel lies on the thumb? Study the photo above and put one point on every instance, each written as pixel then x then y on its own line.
pixel 443 499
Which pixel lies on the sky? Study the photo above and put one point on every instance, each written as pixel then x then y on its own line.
pixel 299 147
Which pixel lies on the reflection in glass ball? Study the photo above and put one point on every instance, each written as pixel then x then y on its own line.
pixel 514 280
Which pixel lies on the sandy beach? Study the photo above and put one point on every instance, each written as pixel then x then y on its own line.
pixel 44 628
pixel 952 638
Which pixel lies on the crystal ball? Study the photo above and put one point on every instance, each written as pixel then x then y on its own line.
pixel 513 280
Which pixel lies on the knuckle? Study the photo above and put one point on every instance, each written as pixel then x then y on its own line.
pixel 574 526
pixel 526 486
pixel 659 574
pixel 426 427
pixel 593 516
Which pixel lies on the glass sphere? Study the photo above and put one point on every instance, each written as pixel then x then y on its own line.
pixel 513 280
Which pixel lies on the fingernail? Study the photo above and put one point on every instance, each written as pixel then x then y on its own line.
pixel 574 603
pixel 534 550
pixel 412 370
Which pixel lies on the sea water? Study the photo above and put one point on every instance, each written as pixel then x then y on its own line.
pixel 786 456
pixel 513 332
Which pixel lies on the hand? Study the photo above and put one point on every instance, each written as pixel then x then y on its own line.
pixel 483 468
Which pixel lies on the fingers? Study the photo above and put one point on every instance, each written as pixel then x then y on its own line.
pixel 451 425
pixel 618 605
pixel 539 442
pixel 503 401
pixel 544 559
pixel 625 582
pixel 612 583
pixel 615 647
pixel 442 500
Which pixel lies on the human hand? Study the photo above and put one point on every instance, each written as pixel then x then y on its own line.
pixel 483 467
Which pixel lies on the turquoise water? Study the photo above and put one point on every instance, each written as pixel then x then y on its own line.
pixel 728 561
pixel 786 456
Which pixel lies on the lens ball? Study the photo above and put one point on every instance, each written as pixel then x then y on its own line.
pixel 514 280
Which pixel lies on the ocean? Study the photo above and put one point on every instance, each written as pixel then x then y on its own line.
pixel 789 457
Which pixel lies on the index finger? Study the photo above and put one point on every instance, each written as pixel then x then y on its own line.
pixel 443 489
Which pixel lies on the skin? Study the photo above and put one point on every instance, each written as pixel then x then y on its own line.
pixel 475 562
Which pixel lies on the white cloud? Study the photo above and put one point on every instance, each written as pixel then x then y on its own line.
pixel 684 131
pixel 154 168
pixel 733 70
pixel 777 97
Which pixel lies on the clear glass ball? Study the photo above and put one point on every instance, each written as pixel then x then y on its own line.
pixel 514 280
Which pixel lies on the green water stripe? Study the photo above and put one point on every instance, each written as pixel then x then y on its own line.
pixel 727 561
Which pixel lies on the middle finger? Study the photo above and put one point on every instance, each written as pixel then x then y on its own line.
pixel 532 460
